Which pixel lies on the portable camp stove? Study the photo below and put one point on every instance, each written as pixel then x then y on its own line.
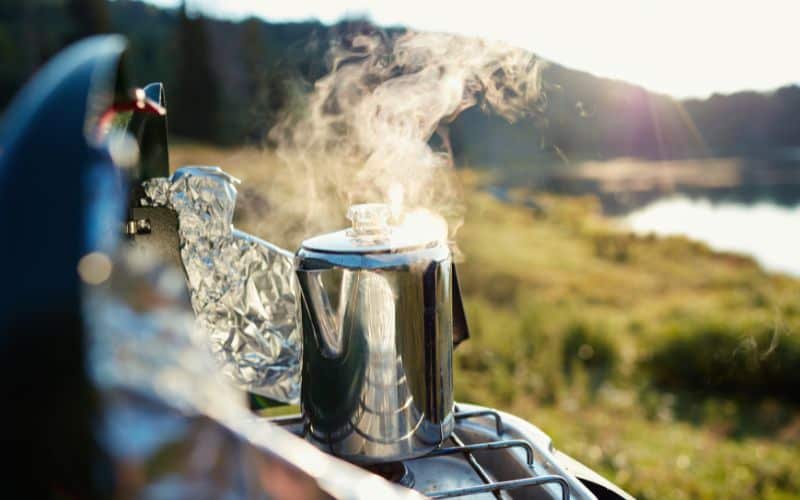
pixel 490 455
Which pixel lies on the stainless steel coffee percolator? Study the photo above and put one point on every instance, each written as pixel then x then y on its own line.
pixel 379 309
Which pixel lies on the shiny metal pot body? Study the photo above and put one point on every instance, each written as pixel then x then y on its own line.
pixel 377 382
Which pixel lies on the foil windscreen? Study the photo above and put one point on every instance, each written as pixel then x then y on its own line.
pixel 155 385
pixel 243 290
pixel 171 425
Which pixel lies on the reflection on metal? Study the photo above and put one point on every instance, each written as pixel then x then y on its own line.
pixel 171 425
pixel 377 342
pixel 243 289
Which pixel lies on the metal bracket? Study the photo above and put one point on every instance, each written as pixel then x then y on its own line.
pixel 491 445
pixel 138 226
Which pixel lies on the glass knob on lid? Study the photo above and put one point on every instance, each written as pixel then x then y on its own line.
pixel 370 222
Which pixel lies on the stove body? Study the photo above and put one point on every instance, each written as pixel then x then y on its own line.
pixel 490 455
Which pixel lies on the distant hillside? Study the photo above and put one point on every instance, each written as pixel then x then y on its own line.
pixel 244 72
pixel 587 117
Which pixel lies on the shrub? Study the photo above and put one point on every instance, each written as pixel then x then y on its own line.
pixel 718 357
pixel 590 348
pixel 612 246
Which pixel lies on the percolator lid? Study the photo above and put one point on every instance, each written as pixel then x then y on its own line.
pixel 371 232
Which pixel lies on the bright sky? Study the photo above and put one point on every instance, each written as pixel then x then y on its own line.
pixel 680 47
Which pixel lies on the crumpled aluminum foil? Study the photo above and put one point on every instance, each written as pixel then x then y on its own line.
pixel 243 289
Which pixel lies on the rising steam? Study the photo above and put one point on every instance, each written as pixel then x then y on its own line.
pixel 364 132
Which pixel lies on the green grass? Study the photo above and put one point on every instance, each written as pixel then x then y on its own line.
pixel 602 339
pixel 665 366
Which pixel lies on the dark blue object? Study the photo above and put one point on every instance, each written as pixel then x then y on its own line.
pixel 59 196
pixel 53 180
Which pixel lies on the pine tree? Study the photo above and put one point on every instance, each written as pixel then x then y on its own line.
pixel 90 17
pixel 266 81
pixel 195 108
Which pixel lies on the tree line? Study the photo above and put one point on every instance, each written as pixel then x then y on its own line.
pixel 227 83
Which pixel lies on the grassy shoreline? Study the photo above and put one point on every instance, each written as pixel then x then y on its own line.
pixel 561 277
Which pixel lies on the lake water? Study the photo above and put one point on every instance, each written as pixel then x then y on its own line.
pixel 765 230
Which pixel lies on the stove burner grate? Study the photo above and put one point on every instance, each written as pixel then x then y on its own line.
pixel 490 486
pixel 397 472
